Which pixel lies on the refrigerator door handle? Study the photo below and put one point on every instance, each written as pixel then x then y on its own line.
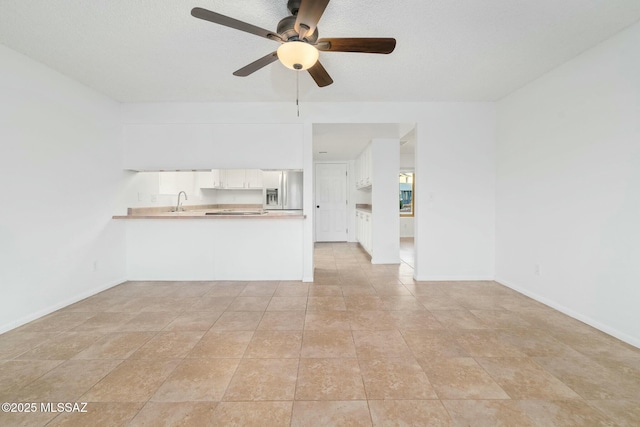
pixel 281 191
pixel 285 190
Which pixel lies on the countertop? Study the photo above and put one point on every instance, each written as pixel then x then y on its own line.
pixel 199 212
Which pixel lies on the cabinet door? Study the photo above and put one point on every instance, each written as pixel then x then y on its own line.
pixel 364 168
pixel 204 179
pixel 363 232
pixel 216 178
pixel 368 160
pixel 367 233
pixel 254 178
pixel 208 179
pixel 234 178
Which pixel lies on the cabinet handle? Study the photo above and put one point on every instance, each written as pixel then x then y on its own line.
pixel 285 190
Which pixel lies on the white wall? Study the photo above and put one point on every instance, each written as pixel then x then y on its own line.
pixel 455 169
pixel 407 161
pixel 60 157
pixel 568 187
pixel 308 207
pixel 455 193
pixel 406 226
pixel 212 145
pixel 385 218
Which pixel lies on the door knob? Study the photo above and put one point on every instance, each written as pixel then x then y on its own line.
pixel 317 206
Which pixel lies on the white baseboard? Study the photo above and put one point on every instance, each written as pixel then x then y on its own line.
pixel 38 314
pixel 378 261
pixel 634 341
pixel 428 278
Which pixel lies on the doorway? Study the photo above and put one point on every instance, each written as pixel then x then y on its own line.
pixel 407 196
pixel 331 202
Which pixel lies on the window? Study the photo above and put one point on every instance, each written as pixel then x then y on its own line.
pixel 406 193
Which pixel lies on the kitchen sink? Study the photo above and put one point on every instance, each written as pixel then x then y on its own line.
pixel 236 213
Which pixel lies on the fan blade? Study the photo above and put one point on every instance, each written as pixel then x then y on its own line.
pixel 363 45
pixel 256 65
pixel 309 14
pixel 216 18
pixel 320 75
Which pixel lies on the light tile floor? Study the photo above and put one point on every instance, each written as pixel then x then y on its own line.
pixel 407 251
pixel 362 345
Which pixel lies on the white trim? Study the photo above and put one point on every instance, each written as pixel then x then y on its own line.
pixel 428 278
pixel 584 319
pixel 38 314
pixel 377 261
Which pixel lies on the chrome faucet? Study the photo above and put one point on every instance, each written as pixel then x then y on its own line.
pixel 178 204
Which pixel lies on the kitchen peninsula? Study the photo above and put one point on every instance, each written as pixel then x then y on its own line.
pixel 214 243
pixel 210 247
pixel 210 211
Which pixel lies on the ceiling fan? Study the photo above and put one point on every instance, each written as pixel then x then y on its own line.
pixel 298 35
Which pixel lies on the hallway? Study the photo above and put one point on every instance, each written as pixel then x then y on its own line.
pixel 407 251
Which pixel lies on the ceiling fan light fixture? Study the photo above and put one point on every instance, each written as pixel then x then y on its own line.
pixel 298 55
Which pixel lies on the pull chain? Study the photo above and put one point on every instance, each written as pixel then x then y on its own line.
pixel 298 92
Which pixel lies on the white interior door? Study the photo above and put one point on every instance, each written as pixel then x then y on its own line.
pixel 331 202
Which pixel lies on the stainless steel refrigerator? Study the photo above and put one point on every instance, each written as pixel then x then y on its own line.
pixel 282 190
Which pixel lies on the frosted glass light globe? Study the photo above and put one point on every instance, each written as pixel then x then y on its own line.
pixel 298 55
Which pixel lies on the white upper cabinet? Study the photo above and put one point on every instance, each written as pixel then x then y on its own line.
pixel 231 179
pixel 368 166
pixel 209 179
pixel 364 169
pixel 234 179
pixel 253 178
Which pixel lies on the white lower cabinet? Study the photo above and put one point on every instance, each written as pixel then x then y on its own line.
pixel 368 233
pixel 364 233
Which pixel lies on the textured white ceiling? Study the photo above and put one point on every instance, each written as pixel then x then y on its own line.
pixel 448 50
